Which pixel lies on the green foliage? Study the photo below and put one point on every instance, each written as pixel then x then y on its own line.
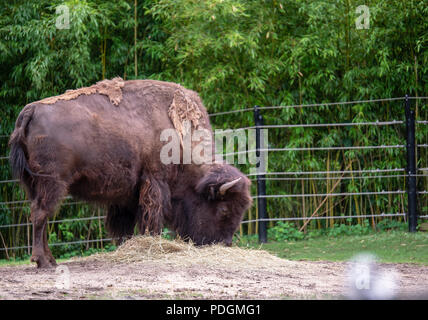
pixel 343 229
pixel 168 234
pixel 84 252
pixel 284 231
pixel 388 225
pixel 236 54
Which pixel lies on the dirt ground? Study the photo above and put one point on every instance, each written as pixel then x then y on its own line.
pixel 92 279
pixel 147 267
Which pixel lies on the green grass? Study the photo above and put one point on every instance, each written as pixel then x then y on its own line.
pixel 20 262
pixel 389 247
pixel 63 257
pixel 11 262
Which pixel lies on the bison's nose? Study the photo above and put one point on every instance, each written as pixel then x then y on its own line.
pixel 228 243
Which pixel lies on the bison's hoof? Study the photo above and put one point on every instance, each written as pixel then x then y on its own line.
pixel 43 262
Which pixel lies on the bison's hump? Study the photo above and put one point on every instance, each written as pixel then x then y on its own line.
pixel 110 88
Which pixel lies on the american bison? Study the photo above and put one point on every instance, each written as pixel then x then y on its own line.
pixel 102 144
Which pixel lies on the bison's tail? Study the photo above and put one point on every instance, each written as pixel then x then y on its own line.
pixel 18 149
pixel 18 156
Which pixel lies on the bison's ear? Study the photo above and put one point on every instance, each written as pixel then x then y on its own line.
pixel 217 190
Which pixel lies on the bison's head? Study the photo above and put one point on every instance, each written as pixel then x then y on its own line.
pixel 211 211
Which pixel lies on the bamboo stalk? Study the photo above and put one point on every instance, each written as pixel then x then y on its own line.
pixel 325 199
pixel 103 53
pixel 257 218
pixel 373 218
pixel 18 229
pixel 303 204
pixel 135 39
pixel 355 198
pixel 328 204
pixel 28 237
pixel 89 235
pixel 314 202
pixel 100 228
pixel 4 244
pixel 250 217
pixel 315 199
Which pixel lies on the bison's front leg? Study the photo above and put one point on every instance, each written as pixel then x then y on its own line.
pixel 41 253
pixel 154 203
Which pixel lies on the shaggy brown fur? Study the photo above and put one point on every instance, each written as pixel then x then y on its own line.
pixel 111 88
pixel 90 148
pixel 184 108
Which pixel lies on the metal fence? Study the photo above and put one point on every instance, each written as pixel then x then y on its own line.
pixel 411 173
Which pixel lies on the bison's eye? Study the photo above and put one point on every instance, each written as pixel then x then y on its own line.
pixel 223 211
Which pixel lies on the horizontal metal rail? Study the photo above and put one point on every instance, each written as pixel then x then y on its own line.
pixel 28 201
pixel 312 105
pixel 9 181
pixel 329 172
pixel 382 215
pixel 342 178
pixel 316 125
pixel 315 149
pixel 339 103
pixel 25 207
pixel 230 112
pixel 329 194
pixel 331 103
pixel 60 244
pixel 53 222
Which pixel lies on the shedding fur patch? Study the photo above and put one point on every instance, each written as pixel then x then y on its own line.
pixel 110 88
pixel 184 108
pixel 151 206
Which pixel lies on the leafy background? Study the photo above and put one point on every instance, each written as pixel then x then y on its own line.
pixel 235 54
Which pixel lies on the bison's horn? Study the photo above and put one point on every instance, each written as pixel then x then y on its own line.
pixel 226 186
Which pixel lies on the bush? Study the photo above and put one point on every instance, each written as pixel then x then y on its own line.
pixel 349 230
pixel 387 225
pixel 284 231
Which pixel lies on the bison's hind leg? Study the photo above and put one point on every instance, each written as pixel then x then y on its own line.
pixel 121 221
pixel 47 193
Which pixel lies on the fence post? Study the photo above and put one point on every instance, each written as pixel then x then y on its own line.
pixel 261 181
pixel 412 213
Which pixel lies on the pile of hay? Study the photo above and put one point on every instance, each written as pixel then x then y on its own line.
pixel 178 252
